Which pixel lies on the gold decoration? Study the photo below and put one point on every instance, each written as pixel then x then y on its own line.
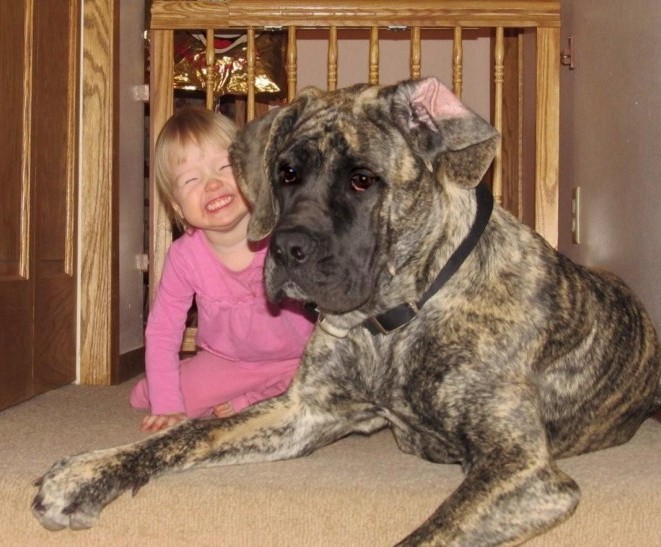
pixel 230 74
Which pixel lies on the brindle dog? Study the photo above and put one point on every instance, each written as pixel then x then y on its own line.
pixel 451 323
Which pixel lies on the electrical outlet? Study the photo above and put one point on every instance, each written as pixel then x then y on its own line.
pixel 576 215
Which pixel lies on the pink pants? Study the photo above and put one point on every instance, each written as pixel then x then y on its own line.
pixel 208 380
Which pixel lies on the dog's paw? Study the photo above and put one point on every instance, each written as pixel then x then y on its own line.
pixel 74 491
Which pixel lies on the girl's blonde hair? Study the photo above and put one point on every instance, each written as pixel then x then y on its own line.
pixel 188 125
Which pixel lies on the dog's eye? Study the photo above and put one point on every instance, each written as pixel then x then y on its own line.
pixel 362 180
pixel 288 175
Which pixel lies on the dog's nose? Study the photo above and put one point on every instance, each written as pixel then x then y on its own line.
pixel 292 247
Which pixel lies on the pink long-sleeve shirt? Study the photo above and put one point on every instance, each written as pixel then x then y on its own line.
pixel 235 320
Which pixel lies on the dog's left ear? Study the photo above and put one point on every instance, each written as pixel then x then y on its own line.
pixel 457 143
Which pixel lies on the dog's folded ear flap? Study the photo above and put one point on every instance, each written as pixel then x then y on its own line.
pixel 253 154
pixel 252 177
pixel 458 144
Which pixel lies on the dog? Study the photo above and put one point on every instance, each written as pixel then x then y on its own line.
pixel 441 317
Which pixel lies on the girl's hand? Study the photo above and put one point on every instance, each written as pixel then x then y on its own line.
pixel 223 410
pixel 156 422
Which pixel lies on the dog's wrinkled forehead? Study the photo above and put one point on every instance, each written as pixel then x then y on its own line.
pixel 351 122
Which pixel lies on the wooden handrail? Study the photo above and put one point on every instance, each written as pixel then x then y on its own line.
pixel 186 14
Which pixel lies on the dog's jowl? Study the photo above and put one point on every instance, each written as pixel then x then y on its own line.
pixel 441 317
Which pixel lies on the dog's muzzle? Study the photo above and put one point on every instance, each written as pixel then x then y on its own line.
pixel 291 248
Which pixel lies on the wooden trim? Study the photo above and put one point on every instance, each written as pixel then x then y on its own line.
pixel 24 266
pixel 98 222
pixel 547 134
pixel 183 14
pixel 70 239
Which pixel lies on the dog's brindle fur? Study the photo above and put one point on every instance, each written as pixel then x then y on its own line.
pixel 521 358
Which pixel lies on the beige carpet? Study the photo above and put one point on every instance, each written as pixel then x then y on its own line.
pixel 357 492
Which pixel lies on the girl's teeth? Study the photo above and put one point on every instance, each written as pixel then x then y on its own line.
pixel 218 203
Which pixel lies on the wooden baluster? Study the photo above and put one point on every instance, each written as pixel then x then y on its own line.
pixel 415 54
pixel 250 58
pixel 457 62
pixel 291 63
pixel 374 56
pixel 332 58
pixel 499 74
pixel 211 62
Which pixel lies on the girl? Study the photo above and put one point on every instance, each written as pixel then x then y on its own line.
pixel 249 349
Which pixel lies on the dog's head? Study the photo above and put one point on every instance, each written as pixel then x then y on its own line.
pixel 352 184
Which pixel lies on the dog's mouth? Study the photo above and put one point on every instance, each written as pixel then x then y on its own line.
pixel 331 293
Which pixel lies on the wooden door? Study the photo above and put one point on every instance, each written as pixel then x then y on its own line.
pixel 38 109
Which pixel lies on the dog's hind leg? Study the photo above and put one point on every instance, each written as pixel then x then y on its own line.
pixel 75 490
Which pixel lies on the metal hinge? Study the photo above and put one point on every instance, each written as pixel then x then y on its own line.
pixel 567 55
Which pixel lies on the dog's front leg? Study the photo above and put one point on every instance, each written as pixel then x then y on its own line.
pixel 506 498
pixel 75 490
pixel 493 508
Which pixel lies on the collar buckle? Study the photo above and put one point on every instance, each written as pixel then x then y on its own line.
pixel 393 319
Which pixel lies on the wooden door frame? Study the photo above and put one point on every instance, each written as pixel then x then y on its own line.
pixel 98 341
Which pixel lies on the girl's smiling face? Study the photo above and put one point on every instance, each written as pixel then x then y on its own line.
pixel 204 189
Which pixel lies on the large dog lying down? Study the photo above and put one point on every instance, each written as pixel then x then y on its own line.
pixel 448 322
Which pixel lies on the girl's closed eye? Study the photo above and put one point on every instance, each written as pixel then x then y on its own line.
pixel 184 182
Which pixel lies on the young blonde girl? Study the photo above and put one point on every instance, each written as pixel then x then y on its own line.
pixel 249 349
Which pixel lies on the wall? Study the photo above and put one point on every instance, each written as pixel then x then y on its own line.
pixel 610 135
pixel 131 174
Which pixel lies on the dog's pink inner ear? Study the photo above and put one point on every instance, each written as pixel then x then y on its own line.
pixel 432 99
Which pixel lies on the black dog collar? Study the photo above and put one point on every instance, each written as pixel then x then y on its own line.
pixel 396 318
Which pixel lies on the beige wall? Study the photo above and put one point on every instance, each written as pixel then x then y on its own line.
pixel 610 140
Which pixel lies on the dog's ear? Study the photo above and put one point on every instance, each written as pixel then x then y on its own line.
pixel 247 155
pixel 457 143
pixel 253 154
